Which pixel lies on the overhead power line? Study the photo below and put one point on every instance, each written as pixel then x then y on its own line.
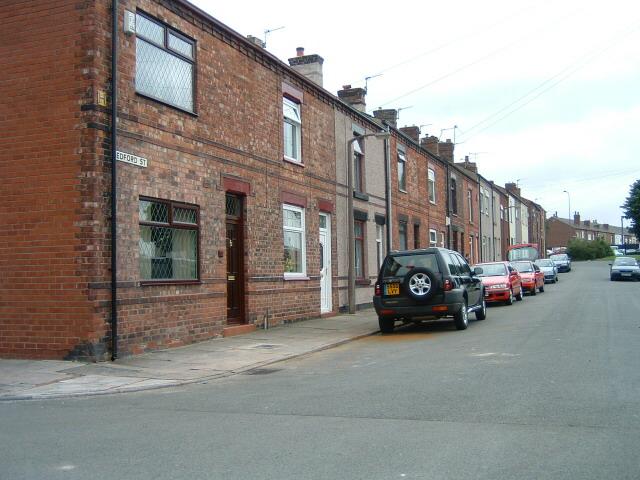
pixel 559 77
pixel 484 57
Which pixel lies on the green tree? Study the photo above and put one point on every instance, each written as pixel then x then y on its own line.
pixel 631 208
pixel 579 249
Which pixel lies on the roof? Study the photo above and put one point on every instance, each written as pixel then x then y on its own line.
pixel 592 227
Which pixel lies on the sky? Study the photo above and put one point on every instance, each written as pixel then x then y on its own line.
pixel 544 93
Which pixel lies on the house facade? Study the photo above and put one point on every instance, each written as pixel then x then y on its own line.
pixel 560 230
pixel 221 200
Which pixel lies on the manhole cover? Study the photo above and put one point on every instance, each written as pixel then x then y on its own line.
pixel 266 346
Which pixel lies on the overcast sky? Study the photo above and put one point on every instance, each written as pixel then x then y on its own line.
pixel 545 93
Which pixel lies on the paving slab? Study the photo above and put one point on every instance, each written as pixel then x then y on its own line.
pixel 220 357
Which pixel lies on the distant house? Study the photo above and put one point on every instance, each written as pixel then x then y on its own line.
pixel 561 230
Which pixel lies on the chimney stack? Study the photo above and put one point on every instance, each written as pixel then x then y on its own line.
pixel 576 218
pixel 430 144
pixel 413 132
pixel 389 115
pixel 445 150
pixel 308 65
pixel 256 41
pixel 354 97
pixel 512 188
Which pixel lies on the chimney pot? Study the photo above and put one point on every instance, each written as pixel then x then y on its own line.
pixel 300 51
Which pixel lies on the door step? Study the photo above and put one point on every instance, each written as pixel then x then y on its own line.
pixel 233 330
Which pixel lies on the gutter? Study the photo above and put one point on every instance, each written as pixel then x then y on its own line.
pixel 114 137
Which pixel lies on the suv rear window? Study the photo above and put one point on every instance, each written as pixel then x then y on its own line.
pixel 400 265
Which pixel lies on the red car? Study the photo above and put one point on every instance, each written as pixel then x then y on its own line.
pixel 501 282
pixel 531 275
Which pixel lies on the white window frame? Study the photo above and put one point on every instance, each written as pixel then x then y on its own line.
pixel 301 229
pixel 431 185
pixel 297 124
pixel 442 237
pixel 433 238
pixel 380 244
pixel 470 205
pixel 402 159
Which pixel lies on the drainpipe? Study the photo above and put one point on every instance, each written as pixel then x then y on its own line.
pixel 493 226
pixel 448 204
pixel 480 236
pixel 114 114
pixel 387 188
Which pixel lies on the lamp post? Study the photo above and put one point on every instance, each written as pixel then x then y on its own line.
pixel 624 245
pixel 569 200
pixel 351 287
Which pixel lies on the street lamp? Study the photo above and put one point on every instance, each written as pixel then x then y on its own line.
pixel 624 245
pixel 569 200
pixel 351 287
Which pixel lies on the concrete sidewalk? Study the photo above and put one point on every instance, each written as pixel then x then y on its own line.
pixel 222 357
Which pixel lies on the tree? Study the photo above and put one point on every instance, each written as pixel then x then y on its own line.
pixel 631 208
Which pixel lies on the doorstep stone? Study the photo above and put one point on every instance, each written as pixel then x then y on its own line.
pixel 233 330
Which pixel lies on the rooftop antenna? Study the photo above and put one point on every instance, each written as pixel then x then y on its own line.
pixel 424 125
pixel 366 80
pixel 475 155
pixel 454 128
pixel 403 108
pixel 268 31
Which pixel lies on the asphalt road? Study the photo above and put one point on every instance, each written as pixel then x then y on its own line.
pixel 545 389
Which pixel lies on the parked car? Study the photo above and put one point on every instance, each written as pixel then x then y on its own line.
pixel 624 268
pixel 562 261
pixel 531 276
pixel 501 282
pixel 427 284
pixel 549 269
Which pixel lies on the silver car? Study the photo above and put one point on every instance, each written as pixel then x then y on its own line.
pixel 625 268
pixel 549 268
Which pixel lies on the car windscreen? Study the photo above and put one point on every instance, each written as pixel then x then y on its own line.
pixel 560 258
pixel 493 270
pixel 523 267
pixel 400 265
pixel 545 263
pixel 522 253
pixel 625 262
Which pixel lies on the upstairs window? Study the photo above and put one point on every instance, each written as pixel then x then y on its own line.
pixel 165 64
pixel 431 184
pixel 358 167
pixel 470 206
pixel 292 130
pixel 454 196
pixel 402 174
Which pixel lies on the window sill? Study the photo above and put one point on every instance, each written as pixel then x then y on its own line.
pixel 361 196
pixel 363 281
pixel 401 190
pixel 151 283
pixel 288 278
pixel 432 202
pixel 293 160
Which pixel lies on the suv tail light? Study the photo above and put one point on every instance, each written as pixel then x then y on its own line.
pixel 448 285
pixel 378 290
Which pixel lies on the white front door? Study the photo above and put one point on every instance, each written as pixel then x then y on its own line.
pixel 325 263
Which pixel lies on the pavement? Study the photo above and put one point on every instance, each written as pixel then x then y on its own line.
pixel 200 362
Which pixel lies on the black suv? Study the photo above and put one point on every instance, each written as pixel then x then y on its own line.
pixel 426 284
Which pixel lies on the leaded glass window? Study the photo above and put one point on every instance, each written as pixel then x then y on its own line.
pixel 165 66
pixel 168 240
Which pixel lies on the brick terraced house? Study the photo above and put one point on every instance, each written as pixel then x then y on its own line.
pixel 232 203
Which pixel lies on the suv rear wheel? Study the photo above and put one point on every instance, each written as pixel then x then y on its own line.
pixel 420 283
pixel 461 318
pixel 386 324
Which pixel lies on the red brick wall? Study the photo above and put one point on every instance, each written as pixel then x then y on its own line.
pixel 558 233
pixel 48 212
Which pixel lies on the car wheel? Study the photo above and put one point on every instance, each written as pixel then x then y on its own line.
pixel 533 291
pixel 461 319
pixel 420 283
pixel 541 288
pixel 386 324
pixel 482 313
pixel 510 299
pixel 520 296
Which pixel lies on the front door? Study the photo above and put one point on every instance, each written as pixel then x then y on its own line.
pixel 325 263
pixel 235 260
